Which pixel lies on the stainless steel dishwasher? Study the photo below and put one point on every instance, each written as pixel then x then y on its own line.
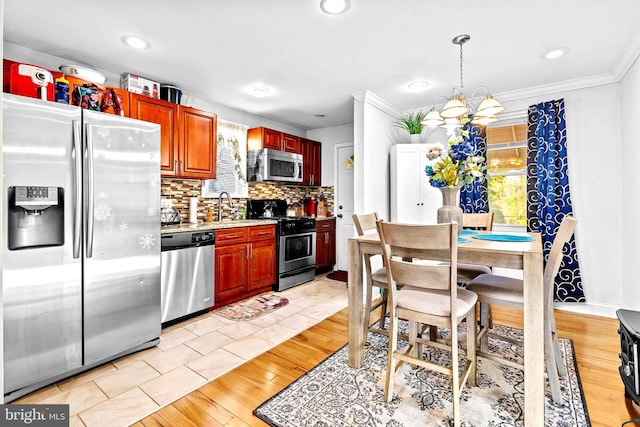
pixel 187 274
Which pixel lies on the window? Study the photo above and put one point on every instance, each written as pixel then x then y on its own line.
pixel 506 164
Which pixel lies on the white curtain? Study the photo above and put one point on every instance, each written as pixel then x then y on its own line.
pixel 231 170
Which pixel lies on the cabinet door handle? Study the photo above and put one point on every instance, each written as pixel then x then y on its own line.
pixel 326 238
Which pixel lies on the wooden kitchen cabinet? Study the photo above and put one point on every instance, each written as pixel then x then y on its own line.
pixel 259 138
pixel 187 136
pixel 245 262
pixel 197 143
pixel 166 115
pixel 311 153
pixel 325 244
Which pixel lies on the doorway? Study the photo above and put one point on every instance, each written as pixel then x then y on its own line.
pixel 344 201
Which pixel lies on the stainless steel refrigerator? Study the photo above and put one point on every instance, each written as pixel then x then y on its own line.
pixel 81 223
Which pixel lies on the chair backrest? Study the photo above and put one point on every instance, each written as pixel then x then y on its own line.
pixel 482 220
pixel 565 231
pixel 423 256
pixel 365 223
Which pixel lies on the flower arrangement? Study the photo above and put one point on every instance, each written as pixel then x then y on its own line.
pixel 457 166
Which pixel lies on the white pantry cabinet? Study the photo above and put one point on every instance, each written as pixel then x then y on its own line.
pixel 413 199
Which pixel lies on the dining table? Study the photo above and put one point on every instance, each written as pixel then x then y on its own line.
pixel 521 255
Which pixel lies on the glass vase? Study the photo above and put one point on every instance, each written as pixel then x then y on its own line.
pixel 450 210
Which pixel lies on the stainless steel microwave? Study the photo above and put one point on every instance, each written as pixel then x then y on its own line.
pixel 274 165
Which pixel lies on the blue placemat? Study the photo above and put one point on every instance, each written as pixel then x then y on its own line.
pixel 466 232
pixel 504 237
pixel 463 240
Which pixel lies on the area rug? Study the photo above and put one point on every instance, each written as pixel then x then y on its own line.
pixel 338 275
pixel 252 308
pixel 333 394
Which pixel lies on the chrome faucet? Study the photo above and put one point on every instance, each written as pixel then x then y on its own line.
pixel 220 204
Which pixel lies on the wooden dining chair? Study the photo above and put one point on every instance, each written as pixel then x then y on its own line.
pixel 429 296
pixel 474 221
pixel 365 224
pixel 509 292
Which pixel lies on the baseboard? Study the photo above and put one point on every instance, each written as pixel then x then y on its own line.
pixel 586 308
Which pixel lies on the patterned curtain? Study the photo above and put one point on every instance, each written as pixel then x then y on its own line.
pixel 474 197
pixel 548 198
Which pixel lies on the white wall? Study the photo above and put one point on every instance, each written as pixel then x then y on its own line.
pixel 375 133
pixel 630 111
pixel 329 137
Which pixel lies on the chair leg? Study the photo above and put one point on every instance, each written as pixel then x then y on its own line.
pixel 391 362
pixel 550 359
pixel 471 346
pixel 383 307
pixel 367 309
pixel 455 374
pixel 484 323
pixel 562 371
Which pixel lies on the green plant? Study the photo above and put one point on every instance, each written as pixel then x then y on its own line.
pixel 412 122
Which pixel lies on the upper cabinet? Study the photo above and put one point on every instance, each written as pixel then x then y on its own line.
pixel 311 154
pixel 188 136
pixel 197 143
pixel 258 138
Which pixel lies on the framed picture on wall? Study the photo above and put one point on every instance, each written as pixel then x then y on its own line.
pixel 231 173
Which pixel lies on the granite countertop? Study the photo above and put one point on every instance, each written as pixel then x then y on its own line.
pixel 215 225
pixel 322 218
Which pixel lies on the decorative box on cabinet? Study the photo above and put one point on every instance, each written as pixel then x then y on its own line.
pixel 259 138
pixel 413 199
pixel 245 262
pixel 311 153
pixel 188 136
pixel 325 244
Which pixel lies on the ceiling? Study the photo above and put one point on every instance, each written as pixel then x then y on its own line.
pixel 314 62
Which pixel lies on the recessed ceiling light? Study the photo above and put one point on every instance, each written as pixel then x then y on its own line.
pixel 135 42
pixel 259 90
pixel 334 7
pixel 418 86
pixel 556 53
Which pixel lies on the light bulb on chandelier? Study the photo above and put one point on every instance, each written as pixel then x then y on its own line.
pixel 458 107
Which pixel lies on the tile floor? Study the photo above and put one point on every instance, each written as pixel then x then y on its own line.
pixel 190 354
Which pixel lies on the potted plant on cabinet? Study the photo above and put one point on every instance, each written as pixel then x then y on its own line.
pixel 412 123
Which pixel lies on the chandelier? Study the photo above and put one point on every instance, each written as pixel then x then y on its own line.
pixel 459 109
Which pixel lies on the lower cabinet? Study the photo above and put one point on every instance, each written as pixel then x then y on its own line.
pixel 245 260
pixel 325 244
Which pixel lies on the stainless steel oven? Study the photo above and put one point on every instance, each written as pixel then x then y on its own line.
pixel 296 242
pixel 296 252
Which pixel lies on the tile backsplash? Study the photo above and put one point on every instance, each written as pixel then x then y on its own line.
pixel 181 190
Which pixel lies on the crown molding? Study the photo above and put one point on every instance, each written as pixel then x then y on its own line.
pixel 564 86
pixel 371 98
pixel 630 54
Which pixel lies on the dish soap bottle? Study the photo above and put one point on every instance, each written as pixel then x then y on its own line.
pixel 209 214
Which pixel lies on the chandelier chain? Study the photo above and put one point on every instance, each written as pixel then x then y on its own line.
pixel 461 84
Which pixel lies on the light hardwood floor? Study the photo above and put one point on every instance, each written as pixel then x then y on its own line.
pixel 230 399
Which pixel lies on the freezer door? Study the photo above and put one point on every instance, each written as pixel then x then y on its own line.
pixel 122 234
pixel 42 284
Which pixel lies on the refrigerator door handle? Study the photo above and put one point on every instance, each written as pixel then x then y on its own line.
pixel 77 188
pixel 90 187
